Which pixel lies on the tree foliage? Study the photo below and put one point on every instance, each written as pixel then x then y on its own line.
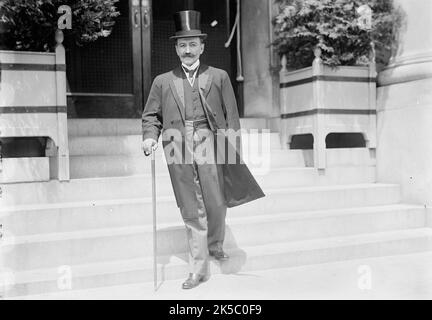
pixel 333 26
pixel 30 25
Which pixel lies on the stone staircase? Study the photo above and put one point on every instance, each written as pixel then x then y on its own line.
pixel 99 225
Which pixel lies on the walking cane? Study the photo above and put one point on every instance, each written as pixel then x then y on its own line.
pixel 153 170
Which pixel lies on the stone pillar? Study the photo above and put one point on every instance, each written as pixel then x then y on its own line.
pixel 260 93
pixel 404 150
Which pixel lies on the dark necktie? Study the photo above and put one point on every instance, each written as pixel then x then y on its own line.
pixel 190 72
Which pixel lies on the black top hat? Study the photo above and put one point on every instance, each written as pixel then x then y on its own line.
pixel 187 24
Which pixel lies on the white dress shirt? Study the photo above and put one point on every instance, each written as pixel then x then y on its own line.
pixel 192 67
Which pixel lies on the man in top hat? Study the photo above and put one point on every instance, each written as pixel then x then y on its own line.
pixel 188 106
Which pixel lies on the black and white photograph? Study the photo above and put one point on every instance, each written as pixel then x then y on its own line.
pixel 224 151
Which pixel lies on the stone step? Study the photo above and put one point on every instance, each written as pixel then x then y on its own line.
pixel 263 257
pixel 25 169
pixel 73 216
pixel 129 165
pixel 103 127
pixel 261 123
pixel 126 165
pixel 121 127
pixel 131 144
pixel 140 185
pixel 94 245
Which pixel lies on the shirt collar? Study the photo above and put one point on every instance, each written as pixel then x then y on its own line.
pixel 192 67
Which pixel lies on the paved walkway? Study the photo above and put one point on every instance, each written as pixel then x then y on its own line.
pixel 393 277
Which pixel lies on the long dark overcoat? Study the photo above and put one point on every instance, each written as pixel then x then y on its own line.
pixel 165 111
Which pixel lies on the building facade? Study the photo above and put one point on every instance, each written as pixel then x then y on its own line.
pixel 95 229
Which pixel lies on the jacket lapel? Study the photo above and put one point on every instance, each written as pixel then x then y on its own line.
pixel 176 85
pixel 204 82
pixel 204 79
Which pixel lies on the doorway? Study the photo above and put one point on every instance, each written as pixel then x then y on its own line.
pixel 111 78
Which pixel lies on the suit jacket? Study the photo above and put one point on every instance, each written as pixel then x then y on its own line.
pixel 165 110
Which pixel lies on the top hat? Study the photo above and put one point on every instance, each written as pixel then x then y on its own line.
pixel 187 24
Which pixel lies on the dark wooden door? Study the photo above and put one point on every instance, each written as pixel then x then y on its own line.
pixel 111 77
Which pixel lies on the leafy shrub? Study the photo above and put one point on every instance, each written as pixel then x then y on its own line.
pixel 333 26
pixel 30 25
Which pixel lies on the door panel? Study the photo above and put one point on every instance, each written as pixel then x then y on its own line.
pixel 135 26
pixel 107 78
pixel 146 45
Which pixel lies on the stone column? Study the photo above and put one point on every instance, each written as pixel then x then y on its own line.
pixel 404 150
pixel 260 83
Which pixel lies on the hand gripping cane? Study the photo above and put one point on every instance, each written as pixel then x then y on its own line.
pixel 153 170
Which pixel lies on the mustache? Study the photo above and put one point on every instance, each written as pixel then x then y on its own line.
pixel 188 56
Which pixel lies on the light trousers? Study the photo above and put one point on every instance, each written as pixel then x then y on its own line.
pixel 205 222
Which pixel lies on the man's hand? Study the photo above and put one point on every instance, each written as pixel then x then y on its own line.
pixel 149 145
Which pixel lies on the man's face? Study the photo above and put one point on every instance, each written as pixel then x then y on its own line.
pixel 189 50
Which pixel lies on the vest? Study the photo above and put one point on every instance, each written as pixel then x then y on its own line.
pixel 193 106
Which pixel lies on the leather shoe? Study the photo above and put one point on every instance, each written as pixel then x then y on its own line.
pixel 194 280
pixel 219 255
